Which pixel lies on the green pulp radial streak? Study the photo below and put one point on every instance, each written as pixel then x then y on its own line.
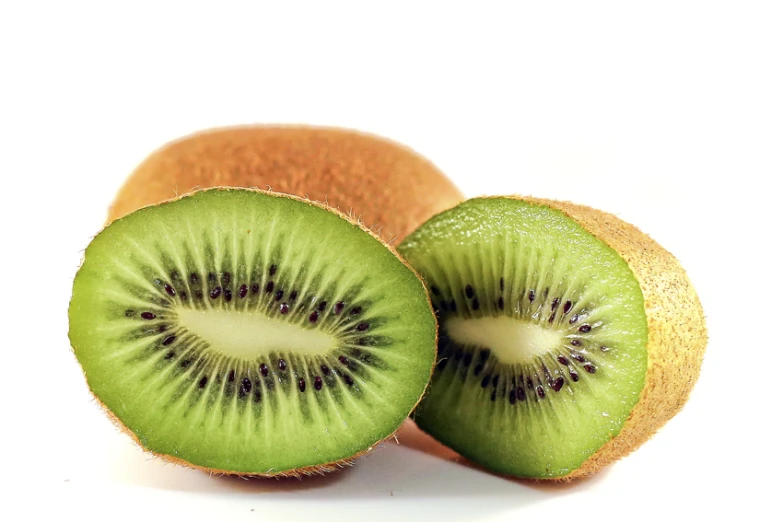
pixel 542 343
pixel 251 333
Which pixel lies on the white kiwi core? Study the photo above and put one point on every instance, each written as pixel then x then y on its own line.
pixel 511 340
pixel 247 335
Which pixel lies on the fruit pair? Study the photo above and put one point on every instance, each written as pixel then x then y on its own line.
pixel 254 333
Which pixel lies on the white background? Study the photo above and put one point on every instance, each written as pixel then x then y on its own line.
pixel 666 113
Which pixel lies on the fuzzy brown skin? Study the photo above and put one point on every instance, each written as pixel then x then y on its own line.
pixel 319 469
pixel 384 184
pixel 677 332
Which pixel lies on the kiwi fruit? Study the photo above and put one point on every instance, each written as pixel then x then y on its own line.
pixel 567 336
pixel 387 186
pixel 251 333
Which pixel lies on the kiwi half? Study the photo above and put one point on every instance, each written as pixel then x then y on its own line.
pixel 567 336
pixel 251 333
pixel 387 186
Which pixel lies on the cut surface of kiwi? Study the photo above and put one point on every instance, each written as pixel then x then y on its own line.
pixel 249 332
pixel 545 336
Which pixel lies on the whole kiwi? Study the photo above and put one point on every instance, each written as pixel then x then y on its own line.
pixel 385 185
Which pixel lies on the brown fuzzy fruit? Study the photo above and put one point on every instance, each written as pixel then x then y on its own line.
pixel 384 184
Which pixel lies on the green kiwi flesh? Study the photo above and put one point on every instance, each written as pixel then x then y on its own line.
pixel 251 333
pixel 542 344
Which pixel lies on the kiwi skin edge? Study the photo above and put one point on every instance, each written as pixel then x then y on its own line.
pixel 319 469
pixel 677 332
pixel 385 184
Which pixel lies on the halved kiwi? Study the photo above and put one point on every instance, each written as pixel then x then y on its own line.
pixel 567 336
pixel 388 186
pixel 249 332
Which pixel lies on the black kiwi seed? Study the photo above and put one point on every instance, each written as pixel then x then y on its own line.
pixel 475 303
pixel 576 342
pixel 343 360
pixel 562 360
pixel 338 307
pixel 314 316
pixel 226 278
pixel 467 358
pixel 589 368
pixel 168 340
pixel 256 396
pixel 348 380
pixel 264 369
pixel 169 290
pixel 148 315
pixel 246 386
pixel 469 291
pixel 163 327
pixel 494 395
pixel 293 295
pixel 215 292
pixel 577 357
pixel 302 384
pixel 484 354
pixel 531 296
pixel 453 305
pixel 231 376
pixel 529 382
pixel 325 369
pixel 169 355
pixel 322 306
pixel 283 308
pixel 363 326
pixel 282 365
pixel 317 383
pixel 272 270
pixel 485 381
pixel 478 369
pixel 356 310
pixel 183 296
pixel 574 376
pixel 500 303
pixel 520 393
pixel 512 396
pixel 227 295
pixel 435 290
pixel 555 303
pixel 242 291
pixel 552 317
pixel 203 382
pixel 495 380
pixel 540 391
pixel 194 278
pixel 558 384
pixel 585 328
pixel 279 295
pixel 444 305
pixel 269 287
pixel 254 288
